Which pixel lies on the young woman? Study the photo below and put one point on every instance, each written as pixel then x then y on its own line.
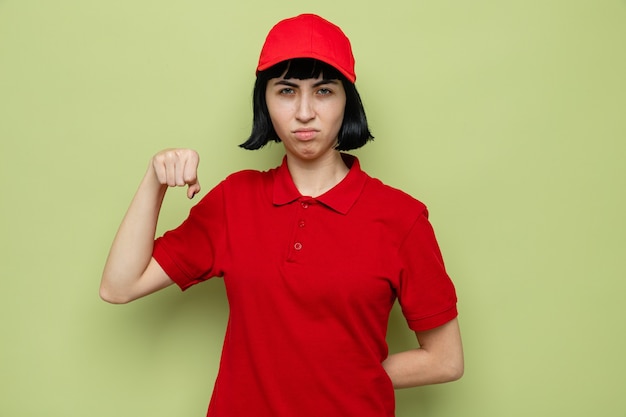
pixel 313 253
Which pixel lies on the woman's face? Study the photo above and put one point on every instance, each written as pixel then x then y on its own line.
pixel 306 115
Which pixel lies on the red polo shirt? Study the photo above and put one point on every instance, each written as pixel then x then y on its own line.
pixel 310 283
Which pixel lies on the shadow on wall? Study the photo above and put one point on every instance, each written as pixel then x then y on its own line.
pixel 167 323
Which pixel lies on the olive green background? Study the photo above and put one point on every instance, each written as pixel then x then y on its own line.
pixel 508 119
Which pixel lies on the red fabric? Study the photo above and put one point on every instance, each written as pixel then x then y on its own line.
pixel 310 283
pixel 308 36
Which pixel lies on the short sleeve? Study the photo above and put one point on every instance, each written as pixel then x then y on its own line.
pixel 426 294
pixel 193 252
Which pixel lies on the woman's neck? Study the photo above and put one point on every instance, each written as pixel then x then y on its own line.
pixel 313 178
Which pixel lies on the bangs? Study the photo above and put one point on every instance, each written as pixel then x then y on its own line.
pixel 304 69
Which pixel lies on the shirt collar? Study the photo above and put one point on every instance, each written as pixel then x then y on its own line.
pixel 339 198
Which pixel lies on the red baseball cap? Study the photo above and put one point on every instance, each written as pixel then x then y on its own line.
pixel 308 36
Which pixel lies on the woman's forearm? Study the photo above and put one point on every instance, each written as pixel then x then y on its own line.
pixel 417 367
pixel 131 250
pixel 130 271
pixel 439 359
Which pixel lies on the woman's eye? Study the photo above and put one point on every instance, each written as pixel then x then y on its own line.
pixel 324 91
pixel 286 91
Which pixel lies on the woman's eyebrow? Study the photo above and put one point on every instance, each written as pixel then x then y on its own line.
pixel 325 81
pixel 285 82
pixel 317 84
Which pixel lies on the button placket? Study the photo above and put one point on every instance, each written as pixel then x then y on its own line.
pixel 299 237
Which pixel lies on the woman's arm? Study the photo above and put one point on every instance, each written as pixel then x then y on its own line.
pixel 439 358
pixel 130 271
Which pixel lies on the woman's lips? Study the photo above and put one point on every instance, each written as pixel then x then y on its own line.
pixel 305 134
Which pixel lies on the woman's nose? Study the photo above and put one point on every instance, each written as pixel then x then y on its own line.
pixel 305 111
